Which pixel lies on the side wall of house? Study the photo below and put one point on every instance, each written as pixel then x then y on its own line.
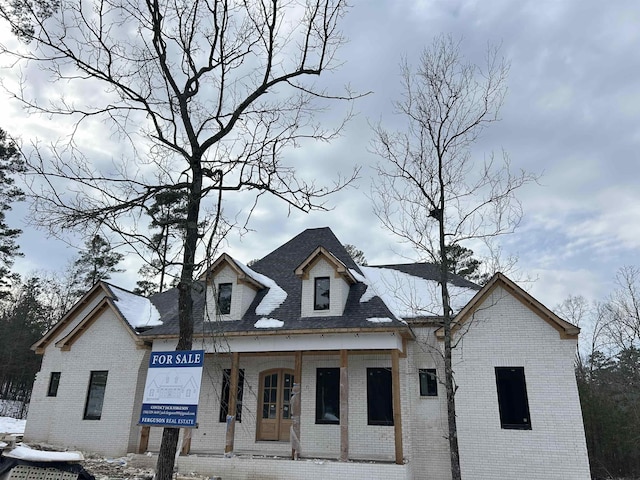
pixel 104 346
pixel 505 333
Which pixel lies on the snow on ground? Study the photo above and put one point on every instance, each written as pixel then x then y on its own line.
pixel 12 425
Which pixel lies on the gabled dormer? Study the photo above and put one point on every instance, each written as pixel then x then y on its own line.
pixel 230 289
pixel 325 284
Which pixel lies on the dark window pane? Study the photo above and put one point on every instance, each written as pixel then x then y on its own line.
pixel 95 395
pixel 224 400
pixel 321 295
pixel 54 381
pixel 379 397
pixel 224 298
pixel 428 382
pixel 512 398
pixel 328 395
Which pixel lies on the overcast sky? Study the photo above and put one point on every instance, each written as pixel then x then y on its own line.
pixel 572 114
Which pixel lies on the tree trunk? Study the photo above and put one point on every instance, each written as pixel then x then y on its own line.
pixel 446 321
pixel 169 445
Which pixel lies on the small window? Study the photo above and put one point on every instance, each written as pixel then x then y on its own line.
pixel 54 381
pixel 224 399
pixel 428 382
pixel 328 395
pixel 95 395
pixel 321 297
pixel 224 298
pixel 379 397
pixel 512 398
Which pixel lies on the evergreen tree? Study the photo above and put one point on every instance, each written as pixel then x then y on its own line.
pixel 356 254
pixel 11 162
pixel 23 322
pixel 97 262
pixel 460 261
pixel 167 214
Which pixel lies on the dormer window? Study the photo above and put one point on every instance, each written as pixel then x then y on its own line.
pixel 321 297
pixel 224 298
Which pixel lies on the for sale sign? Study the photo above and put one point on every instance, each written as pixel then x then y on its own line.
pixel 172 389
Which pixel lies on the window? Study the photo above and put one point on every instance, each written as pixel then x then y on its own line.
pixel 224 399
pixel 512 398
pixel 321 296
pixel 95 395
pixel 54 381
pixel 428 382
pixel 328 395
pixel 379 397
pixel 224 298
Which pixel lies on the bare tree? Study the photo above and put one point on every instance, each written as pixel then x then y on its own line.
pixel 207 93
pixel 430 191
pixel 623 310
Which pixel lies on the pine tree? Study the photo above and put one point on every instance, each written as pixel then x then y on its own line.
pixel 97 262
pixel 11 162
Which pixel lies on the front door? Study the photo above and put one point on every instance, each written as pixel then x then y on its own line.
pixel 274 405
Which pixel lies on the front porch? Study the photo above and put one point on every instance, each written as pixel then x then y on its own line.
pixel 268 413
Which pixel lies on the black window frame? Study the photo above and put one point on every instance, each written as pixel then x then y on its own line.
pixel 379 396
pixel 428 382
pixel 227 302
pixel 95 382
pixel 316 284
pixel 327 394
pixel 224 397
pixel 513 401
pixel 54 383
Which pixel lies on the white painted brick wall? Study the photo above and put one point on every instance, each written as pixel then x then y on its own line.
pixel 509 334
pixel 426 422
pixel 106 345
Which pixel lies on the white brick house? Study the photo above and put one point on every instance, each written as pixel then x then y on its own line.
pixel 363 345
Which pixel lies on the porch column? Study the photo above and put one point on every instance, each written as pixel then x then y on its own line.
pixel 144 439
pixel 397 415
pixel 231 411
pixel 344 406
pixel 296 406
pixel 186 441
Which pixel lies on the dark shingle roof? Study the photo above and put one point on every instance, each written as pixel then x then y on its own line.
pixel 280 266
pixel 430 271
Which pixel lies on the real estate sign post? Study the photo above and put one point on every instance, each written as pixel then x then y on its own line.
pixel 172 389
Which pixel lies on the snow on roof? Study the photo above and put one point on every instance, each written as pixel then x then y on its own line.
pixel 137 310
pixel 22 452
pixel 268 323
pixel 408 296
pixel 274 297
pixel 379 320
